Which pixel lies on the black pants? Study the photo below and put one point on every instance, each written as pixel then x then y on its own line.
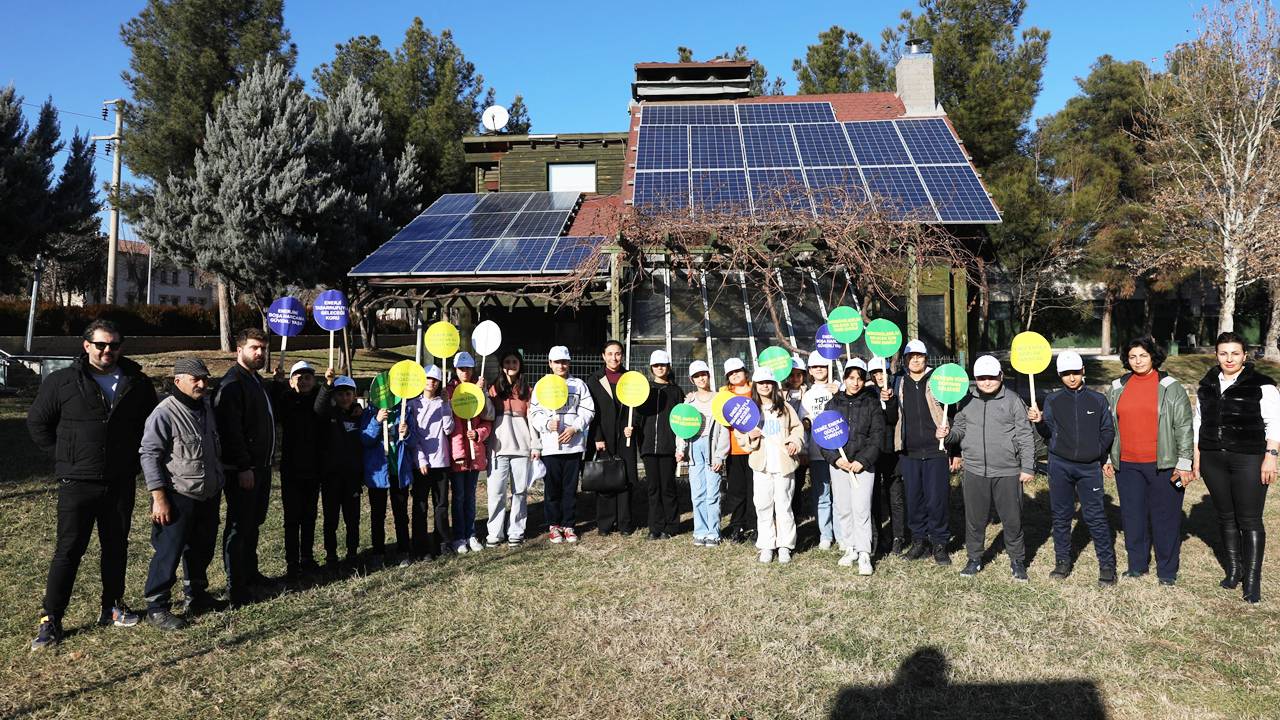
pixel 298 495
pixel 190 539
pixel 339 494
pixel 81 504
pixel 737 495
pixel 798 508
pixel 560 488
pixel 1235 484
pixel 660 475
pixel 430 494
pixel 613 510
pixel 246 511
pixel 979 492
pixel 889 499
pixel 378 518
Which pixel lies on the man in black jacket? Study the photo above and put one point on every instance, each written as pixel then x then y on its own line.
pixel 613 510
pixel 1078 426
pixel 90 416
pixel 246 426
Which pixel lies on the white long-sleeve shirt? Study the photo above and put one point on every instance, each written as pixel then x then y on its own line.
pixel 1269 405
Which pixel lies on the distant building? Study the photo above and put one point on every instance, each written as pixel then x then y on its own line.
pixel 139 281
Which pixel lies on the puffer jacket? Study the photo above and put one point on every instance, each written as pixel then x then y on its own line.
pixel 341 437
pixel 865 418
pixel 180 448
pixel 482 424
pixel 381 463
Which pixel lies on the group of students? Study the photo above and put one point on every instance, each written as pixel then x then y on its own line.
pixel 886 491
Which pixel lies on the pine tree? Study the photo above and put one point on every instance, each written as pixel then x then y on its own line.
pixel 518 123
pixel 842 62
pixel 78 245
pixel 26 177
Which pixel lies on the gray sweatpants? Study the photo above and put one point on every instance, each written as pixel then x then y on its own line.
pixel 979 493
pixel 851 496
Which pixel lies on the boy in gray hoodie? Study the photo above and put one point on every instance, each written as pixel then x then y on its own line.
pixel 998 455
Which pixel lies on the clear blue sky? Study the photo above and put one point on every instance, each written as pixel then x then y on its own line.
pixel 571 60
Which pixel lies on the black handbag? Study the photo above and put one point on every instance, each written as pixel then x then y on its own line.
pixel 605 474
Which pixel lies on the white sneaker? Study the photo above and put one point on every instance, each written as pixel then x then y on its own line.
pixel 824 544
pixel 460 547
pixel 766 556
pixel 864 564
pixel 475 545
pixel 847 559
pixel 784 555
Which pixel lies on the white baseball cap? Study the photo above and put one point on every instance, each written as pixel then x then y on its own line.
pixel 763 374
pixel 342 381
pixel 877 363
pixel 733 365
pixel 817 360
pixel 915 346
pixel 464 360
pixel 301 366
pixel 1069 361
pixel 558 353
pixel 855 363
pixel 698 366
pixel 987 366
pixel 434 373
pixel 797 363
pixel 659 357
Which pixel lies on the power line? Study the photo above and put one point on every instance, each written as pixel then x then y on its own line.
pixel 99 118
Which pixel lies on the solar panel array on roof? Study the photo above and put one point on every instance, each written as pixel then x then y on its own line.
pixel 766 157
pixel 496 233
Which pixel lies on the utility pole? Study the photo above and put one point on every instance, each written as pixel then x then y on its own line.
pixel 113 235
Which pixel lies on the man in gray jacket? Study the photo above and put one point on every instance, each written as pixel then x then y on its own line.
pixel 180 460
pixel 998 454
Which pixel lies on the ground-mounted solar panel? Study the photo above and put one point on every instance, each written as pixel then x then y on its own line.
pixel 779 192
pixel 722 114
pixel 823 145
pixel 536 224
pixel 877 143
pixel 715 147
pixel 503 202
pixel 898 193
pixel 662 192
pixel 769 146
pixel 930 141
pixel 958 194
pixel 553 201
pixel 481 225
pixel 395 257
pixel 428 227
pixel 663 147
pixel 797 112
pixel 836 190
pixel 454 203
pixel 721 191
pixel 571 252
pixel 523 255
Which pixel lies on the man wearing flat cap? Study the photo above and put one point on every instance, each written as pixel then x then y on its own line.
pixel 180 461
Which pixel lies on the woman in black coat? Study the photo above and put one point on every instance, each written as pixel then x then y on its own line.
pixel 656 443
pixel 853 466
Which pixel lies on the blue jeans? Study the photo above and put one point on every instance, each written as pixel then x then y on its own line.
pixel 704 486
pixel 1148 496
pixel 820 487
pixel 928 483
pixel 463 485
pixel 1068 479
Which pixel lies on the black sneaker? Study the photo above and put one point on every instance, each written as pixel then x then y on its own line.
pixel 1134 573
pixel 49 634
pixel 917 550
pixel 898 547
pixel 118 615
pixel 1062 570
pixel 971 568
pixel 1168 582
pixel 1018 571
pixel 165 620
pixel 1107 576
pixel 200 603
pixel 940 555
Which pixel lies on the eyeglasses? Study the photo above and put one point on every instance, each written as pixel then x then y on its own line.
pixel 104 345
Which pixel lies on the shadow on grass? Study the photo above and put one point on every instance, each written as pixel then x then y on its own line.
pixel 922 689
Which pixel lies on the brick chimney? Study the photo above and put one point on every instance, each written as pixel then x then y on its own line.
pixel 915 80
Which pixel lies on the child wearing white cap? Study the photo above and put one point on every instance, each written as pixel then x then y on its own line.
pixel 656 442
pixel 470 457
pixel 813 402
pixel 774 446
pixel 738 484
pixel 427 425
pixel 562 433
pixel 889 501
pixel 293 404
pixel 707 453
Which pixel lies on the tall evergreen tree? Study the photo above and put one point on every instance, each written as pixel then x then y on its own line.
pixel 519 123
pixel 79 246
pixel 26 178
pixel 842 62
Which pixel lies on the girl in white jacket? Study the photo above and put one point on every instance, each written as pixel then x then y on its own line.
pixel 562 435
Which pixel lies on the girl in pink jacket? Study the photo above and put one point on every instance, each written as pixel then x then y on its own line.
pixel 469 457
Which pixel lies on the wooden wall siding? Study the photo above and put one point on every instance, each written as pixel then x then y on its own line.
pixel 524 169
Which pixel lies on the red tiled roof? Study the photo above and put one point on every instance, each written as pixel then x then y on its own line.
pixel 849 107
pixel 597 216
pixel 133 247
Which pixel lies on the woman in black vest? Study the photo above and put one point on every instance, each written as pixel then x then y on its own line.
pixel 1237 423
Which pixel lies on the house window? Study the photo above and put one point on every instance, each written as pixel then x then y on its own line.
pixel 575 177
pixel 191 278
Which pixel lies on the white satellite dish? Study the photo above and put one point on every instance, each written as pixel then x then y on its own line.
pixel 495 118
